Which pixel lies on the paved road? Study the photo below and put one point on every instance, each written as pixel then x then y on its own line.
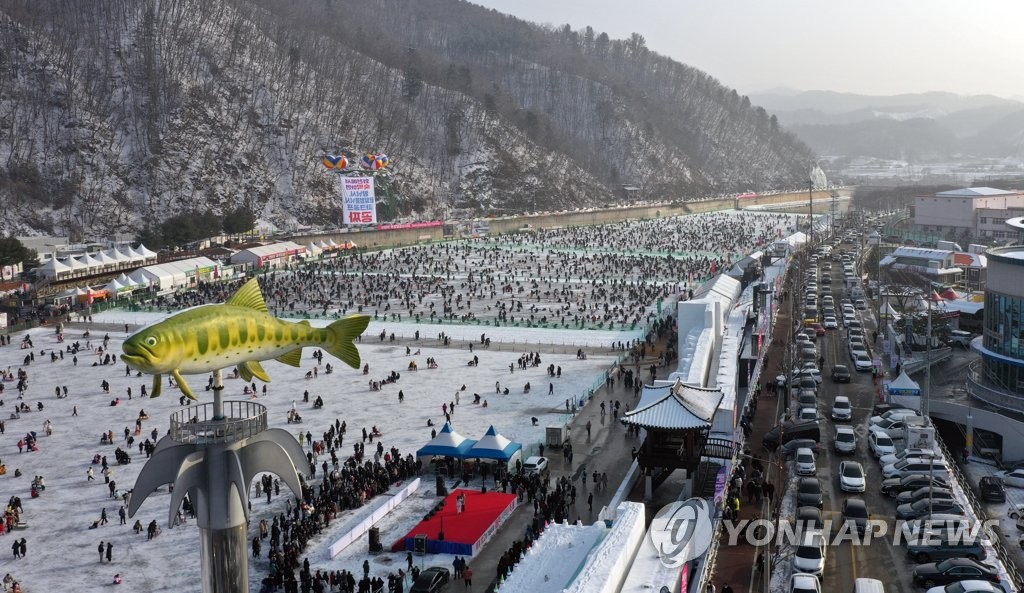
pixel 846 562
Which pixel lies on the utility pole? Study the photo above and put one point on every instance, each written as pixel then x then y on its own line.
pixel 810 211
pixel 928 367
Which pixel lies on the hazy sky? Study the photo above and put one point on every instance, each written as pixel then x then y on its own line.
pixel 864 46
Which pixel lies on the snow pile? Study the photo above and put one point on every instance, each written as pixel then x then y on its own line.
pixel 607 566
pixel 555 559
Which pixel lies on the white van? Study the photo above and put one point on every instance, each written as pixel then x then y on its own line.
pixel 862 585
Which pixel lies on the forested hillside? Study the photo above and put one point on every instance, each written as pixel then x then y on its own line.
pixel 117 115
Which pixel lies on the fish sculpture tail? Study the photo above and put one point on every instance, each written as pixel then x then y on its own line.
pixel 343 335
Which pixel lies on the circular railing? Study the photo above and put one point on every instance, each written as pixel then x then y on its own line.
pixel 198 425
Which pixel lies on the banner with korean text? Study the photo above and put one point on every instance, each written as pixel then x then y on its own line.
pixel 359 205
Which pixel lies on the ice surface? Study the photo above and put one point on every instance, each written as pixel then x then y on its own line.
pixel 61 548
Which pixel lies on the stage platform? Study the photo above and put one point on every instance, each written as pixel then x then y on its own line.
pixel 464 533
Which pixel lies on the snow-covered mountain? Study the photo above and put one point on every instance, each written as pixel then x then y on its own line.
pixel 117 115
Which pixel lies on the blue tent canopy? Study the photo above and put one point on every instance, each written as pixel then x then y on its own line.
pixel 494 446
pixel 447 443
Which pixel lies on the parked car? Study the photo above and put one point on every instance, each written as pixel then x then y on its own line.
pixel 807 414
pixel 808 518
pixel 840 374
pixel 895 413
pixel 991 489
pixel 862 363
pixel 1013 478
pixel 923 493
pixel 851 477
pixel 535 465
pixel 804 583
pixel 805 464
pixel 893 428
pixel 807 398
pixel 809 556
pixel 894 486
pixel 845 440
pixel 906 467
pixel 842 411
pixel 431 580
pixel 925 507
pixel 1016 511
pixel 954 570
pixel 934 549
pixel 913 452
pixel 960 338
pixel 790 448
pixel 880 409
pixel 969 586
pixel 808 492
pixel 855 511
pixel 880 443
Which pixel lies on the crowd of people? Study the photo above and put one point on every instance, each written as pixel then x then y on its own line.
pixel 607 276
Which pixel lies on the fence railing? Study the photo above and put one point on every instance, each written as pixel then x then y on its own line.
pixel 978 389
pixel 198 425
pixel 1009 563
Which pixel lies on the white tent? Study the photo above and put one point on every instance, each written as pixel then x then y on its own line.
pixel 134 256
pixel 119 257
pixel 91 263
pixel 126 281
pixel 139 278
pixel 447 443
pixel 54 269
pixel 313 249
pixel 77 267
pixel 332 244
pixel 106 262
pixel 145 252
pixel 114 287
pixel 494 446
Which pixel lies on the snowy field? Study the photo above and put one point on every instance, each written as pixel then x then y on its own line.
pixel 62 548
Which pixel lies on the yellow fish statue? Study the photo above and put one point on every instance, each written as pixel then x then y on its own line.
pixel 238 333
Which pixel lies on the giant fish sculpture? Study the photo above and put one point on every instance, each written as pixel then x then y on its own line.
pixel 238 333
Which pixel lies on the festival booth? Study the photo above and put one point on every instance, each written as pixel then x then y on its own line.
pixel 106 263
pixel 904 391
pixel 497 448
pixel 473 516
pixel 447 443
pixel 54 270
pixel 275 255
pixel 313 249
pixel 78 269
pixel 147 255
pixel 91 264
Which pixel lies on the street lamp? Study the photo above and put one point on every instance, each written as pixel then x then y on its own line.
pixel 875 240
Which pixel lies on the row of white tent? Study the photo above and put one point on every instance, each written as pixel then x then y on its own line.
pixel 164 278
pixel 317 247
pixel 96 263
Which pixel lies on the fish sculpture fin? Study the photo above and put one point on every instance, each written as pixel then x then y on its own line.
pixel 252 368
pixel 249 296
pixel 343 335
pixel 183 384
pixel 158 385
pixel 293 358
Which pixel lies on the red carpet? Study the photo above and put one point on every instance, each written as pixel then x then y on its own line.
pixel 463 532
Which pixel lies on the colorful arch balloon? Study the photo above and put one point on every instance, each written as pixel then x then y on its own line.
pixel 335 161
